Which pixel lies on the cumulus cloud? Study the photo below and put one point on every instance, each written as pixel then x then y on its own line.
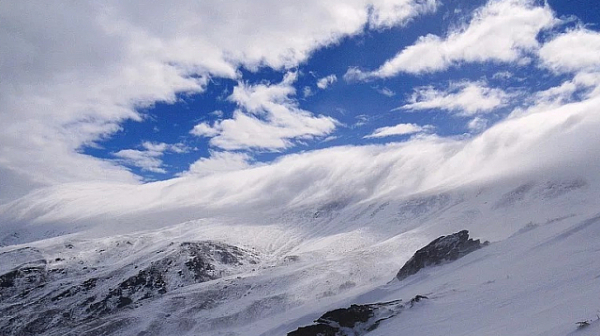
pixel 267 118
pixel 325 82
pixel 462 98
pixel 400 129
pixel 149 158
pixel 203 129
pixel 501 31
pixel 74 77
pixel 576 50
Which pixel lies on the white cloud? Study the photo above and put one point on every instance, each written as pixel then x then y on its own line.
pixel 307 92
pixel 583 85
pixel 203 129
pixel 385 91
pixel 149 158
pixel 501 31
pixel 560 141
pixel 179 148
pixel 146 160
pixel 325 82
pixel 388 13
pixel 558 94
pixel 576 50
pixel 477 124
pixel 267 119
pixel 361 120
pixel 400 129
pixel 217 113
pixel 463 99
pixel 75 76
pixel 502 75
pixel 158 147
pixel 220 162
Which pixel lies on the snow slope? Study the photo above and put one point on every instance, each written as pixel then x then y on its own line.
pixel 539 275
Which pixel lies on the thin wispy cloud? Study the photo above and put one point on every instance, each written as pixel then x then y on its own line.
pixel 220 162
pixel 462 99
pixel 385 91
pixel 325 82
pixel 400 129
pixel 149 157
pixel 477 124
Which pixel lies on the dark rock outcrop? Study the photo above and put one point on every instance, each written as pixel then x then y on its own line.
pixel 355 320
pixel 442 249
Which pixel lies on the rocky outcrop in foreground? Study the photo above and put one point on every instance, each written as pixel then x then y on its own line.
pixel 442 249
pixel 356 320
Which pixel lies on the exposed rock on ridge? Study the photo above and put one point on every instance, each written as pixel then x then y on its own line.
pixel 440 250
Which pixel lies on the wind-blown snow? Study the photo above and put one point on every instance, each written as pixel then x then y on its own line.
pixel 540 266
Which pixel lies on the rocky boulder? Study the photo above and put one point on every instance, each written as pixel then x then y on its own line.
pixel 355 320
pixel 440 250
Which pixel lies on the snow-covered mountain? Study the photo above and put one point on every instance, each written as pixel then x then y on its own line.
pixel 273 272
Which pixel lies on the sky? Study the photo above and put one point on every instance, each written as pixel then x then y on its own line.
pixel 151 94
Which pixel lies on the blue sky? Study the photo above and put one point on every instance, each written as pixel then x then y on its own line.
pixel 136 93
pixel 358 107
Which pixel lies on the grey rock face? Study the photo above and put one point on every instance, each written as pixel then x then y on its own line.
pixel 440 250
pixel 52 296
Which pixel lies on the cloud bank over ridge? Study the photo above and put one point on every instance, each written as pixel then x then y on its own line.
pixel 537 144
pixel 98 66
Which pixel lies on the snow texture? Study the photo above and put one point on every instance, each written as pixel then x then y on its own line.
pixel 270 273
